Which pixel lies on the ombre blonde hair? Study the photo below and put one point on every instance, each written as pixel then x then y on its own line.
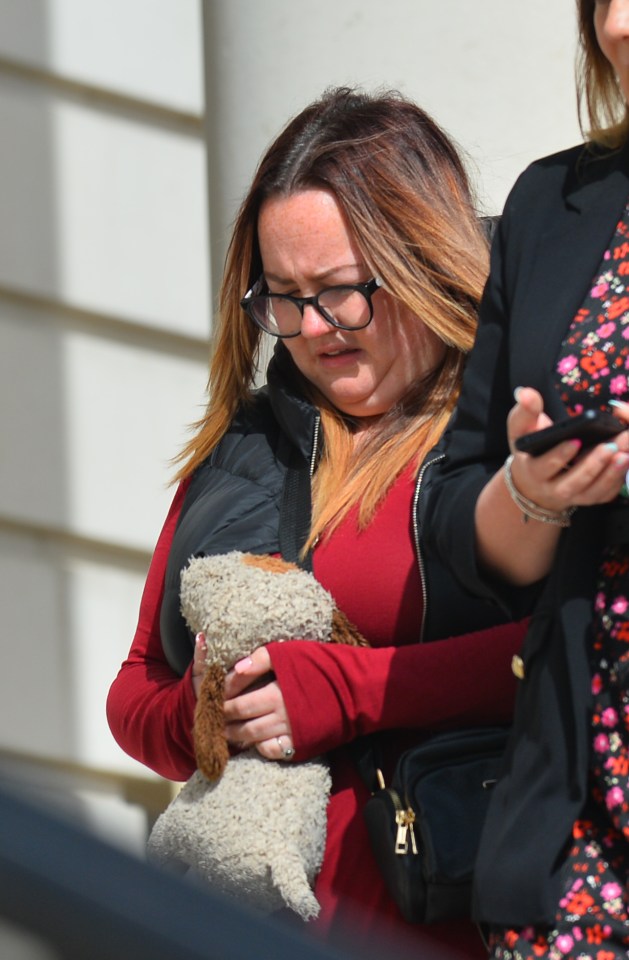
pixel 402 186
pixel 603 112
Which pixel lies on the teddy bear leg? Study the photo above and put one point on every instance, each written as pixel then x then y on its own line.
pixel 290 879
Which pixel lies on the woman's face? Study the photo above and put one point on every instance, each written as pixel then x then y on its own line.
pixel 306 246
pixel 611 22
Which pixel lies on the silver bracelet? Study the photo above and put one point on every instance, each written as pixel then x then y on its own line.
pixel 530 510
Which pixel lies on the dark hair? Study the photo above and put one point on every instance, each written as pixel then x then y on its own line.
pixel 385 160
pixel 602 108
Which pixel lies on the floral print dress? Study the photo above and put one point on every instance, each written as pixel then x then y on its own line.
pixel 592 918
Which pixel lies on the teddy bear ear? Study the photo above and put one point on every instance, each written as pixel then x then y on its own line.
pixel 210 744
pixel 270 564
pixel 344 631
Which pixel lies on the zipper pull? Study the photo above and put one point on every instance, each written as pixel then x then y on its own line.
pixel 405 820
pixel 401 841
pixel 411 821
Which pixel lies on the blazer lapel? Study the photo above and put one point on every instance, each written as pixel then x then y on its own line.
pixel 565 260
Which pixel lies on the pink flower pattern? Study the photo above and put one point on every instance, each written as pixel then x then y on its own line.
pixel 595 348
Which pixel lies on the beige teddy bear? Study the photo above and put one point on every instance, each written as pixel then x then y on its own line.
pixel 250 827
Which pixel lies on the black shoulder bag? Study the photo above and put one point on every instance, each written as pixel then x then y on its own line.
pixel 425 826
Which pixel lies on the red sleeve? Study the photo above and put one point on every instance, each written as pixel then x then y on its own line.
pixel 335 693
pixel 149 707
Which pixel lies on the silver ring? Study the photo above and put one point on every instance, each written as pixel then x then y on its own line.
pixel 287 752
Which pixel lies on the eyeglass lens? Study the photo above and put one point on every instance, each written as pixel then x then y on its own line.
pixel 342 306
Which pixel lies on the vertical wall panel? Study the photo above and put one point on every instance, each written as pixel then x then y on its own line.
pixel 497 74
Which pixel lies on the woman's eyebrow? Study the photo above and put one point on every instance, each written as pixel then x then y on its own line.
pixel 318 277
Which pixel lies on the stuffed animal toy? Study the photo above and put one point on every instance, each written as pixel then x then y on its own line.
pixel 251 828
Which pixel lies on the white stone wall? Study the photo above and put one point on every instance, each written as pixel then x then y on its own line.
pixel 104 318
pixel 112 114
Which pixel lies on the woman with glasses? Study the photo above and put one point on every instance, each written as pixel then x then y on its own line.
pixel 358 253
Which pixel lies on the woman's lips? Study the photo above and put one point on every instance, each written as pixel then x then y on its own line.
pixel 337 357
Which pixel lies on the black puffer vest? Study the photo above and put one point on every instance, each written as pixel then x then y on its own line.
pixel 237 497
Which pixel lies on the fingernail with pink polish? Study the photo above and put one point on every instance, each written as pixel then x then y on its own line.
pixel 200 640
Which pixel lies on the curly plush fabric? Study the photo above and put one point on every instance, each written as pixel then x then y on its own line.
pixel 258 833
pixel 250 827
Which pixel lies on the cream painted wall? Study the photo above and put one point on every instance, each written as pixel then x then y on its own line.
pixel 130 130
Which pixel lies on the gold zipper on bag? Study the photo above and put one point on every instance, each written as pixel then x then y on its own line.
pixel 404 818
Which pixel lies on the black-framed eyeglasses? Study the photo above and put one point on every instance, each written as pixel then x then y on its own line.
pixel 347 306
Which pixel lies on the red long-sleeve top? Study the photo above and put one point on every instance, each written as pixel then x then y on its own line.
pixel 335 693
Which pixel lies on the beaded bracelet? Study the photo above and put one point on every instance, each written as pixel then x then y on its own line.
pixel 530 510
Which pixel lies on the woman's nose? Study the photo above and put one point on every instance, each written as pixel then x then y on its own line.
pixel 617 19
pixel 312 323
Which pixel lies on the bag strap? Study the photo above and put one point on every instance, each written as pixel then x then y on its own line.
pixel 367 754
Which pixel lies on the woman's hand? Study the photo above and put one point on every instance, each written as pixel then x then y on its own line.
pixel 524 552
pixel 255 713
pixel 562 477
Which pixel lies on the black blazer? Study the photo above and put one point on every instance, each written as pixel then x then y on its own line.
pixel 557 222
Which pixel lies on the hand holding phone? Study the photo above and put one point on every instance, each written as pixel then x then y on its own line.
pixel 590 427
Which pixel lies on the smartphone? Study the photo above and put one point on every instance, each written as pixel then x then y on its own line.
pixel 591 427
